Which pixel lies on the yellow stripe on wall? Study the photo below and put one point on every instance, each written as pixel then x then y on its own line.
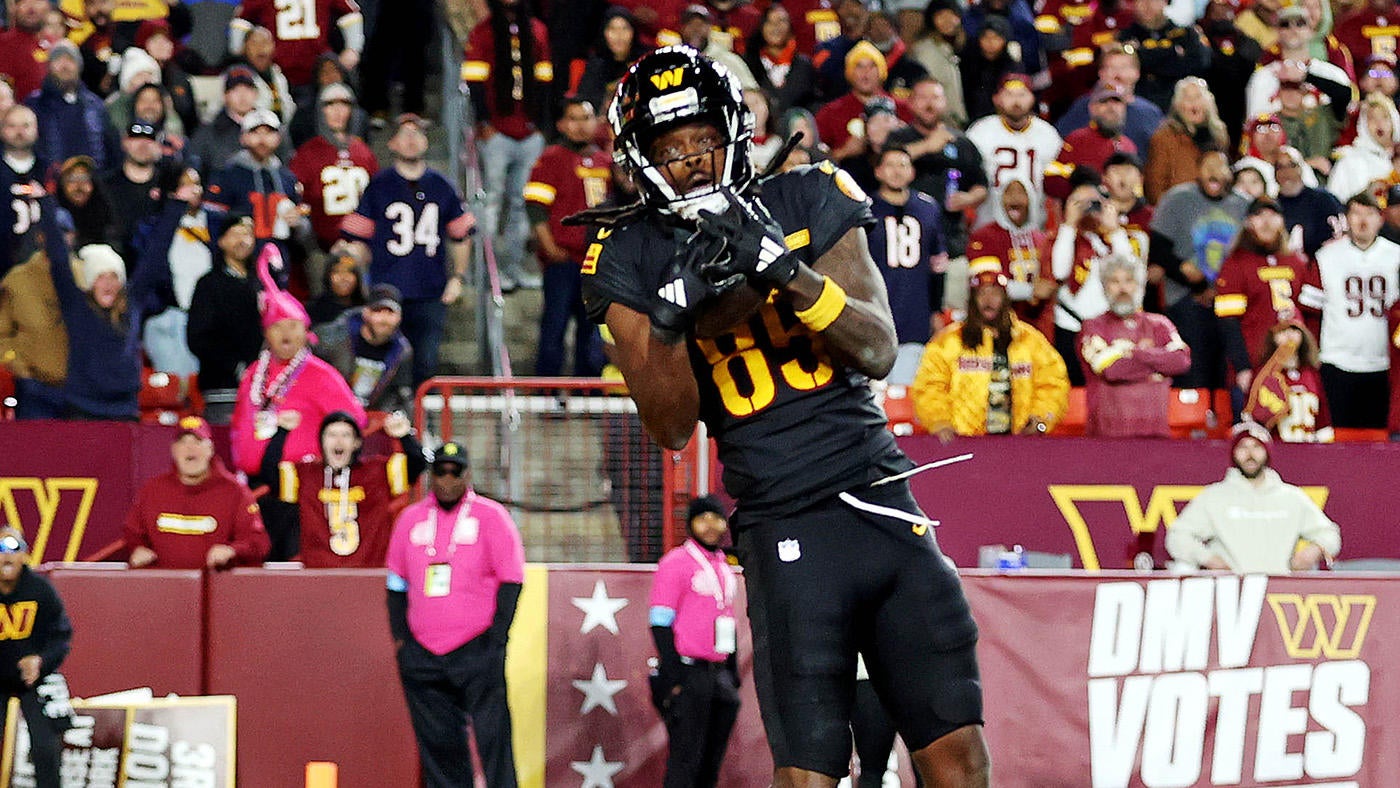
pixel 527 675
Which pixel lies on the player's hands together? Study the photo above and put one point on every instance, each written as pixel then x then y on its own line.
pixel 702 268
pixel 755 239
pixel 29 669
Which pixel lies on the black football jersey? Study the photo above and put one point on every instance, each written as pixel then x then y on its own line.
pixel 792 424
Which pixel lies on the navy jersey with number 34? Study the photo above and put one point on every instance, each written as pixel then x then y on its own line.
pixel 407 225
pixel 793 425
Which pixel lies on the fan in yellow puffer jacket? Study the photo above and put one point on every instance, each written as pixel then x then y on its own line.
pixel 952 387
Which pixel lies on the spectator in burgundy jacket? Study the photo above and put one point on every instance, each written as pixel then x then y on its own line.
pixel 197 515
pixel 1129 358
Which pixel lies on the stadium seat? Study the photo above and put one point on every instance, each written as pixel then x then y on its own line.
pixel 1072 425
pixel 1189 413
pixel 1358 435
pixel 899 410
pixel 1224 415
pixel 165 398
pixel 7 392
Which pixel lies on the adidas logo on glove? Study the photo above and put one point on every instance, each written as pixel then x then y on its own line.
pixel 674 292
pixel 768 252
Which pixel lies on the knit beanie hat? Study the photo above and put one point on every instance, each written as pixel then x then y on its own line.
pixel 136 61
pixel 866 50
pixel 98 259
pixel 340 417
pixel 65 48
pixel 1249 429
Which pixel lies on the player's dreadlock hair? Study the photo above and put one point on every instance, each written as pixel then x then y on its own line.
pixel 971 333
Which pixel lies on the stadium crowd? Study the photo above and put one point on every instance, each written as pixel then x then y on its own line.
pixel 1236 163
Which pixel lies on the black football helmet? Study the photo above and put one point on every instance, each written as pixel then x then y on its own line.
pixel 670 87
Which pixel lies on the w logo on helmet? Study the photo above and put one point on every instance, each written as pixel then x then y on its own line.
pixel 668 79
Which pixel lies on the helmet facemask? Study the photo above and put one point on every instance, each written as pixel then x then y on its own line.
pixel 671 88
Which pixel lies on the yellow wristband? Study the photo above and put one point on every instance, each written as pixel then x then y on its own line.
pixel 830 303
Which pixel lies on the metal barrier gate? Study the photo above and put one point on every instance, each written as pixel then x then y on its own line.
pixel 571 460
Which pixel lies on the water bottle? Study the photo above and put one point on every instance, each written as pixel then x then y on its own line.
pixel 1012 560
pixel 954 176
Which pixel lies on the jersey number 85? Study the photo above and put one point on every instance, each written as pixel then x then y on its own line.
pixel 746 362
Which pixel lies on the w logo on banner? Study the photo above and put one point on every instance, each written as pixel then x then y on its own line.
pixel 1327 625
pixel 668 79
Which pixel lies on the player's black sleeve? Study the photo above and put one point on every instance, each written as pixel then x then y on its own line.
pixel 613 271
pixel 816 206
pixel 668 659
pixel 272 457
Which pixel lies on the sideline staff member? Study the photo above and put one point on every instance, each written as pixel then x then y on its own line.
pixel 692 622
pixel 456 565
pixel 29 658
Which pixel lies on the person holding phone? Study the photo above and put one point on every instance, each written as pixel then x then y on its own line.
pixel 1092 230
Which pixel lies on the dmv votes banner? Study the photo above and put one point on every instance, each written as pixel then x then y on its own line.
pixel 1125 680
pixel 166 743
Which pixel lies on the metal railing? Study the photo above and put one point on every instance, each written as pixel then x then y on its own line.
pixel 459 124
pixel 570 459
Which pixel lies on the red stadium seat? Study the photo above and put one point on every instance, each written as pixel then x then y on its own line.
pixel 1224 415
pixel 1358 435
pixel 899 409
pixel 7 391
pixel 1072 425
pixel 1189 412
pixel 165 398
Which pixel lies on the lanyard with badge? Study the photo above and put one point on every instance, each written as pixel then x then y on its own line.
pixel 437 581
pixel 722 589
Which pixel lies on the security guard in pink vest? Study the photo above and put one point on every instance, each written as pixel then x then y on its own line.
pixel 696 688
pixel 456 566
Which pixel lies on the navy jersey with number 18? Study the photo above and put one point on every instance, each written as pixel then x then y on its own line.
pixel 903 243
pixel 407 225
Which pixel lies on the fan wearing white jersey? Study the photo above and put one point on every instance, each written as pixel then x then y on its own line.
pixel 1360 280
pixel 1015 144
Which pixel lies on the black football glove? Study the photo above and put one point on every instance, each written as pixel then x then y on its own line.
pixel 755 239
pixel 700 270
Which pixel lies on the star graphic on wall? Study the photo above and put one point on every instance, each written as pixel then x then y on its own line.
pixel 599 610
pixel 598 771
pixel 599 690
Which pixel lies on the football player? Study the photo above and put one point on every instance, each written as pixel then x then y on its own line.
pixel 762 314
